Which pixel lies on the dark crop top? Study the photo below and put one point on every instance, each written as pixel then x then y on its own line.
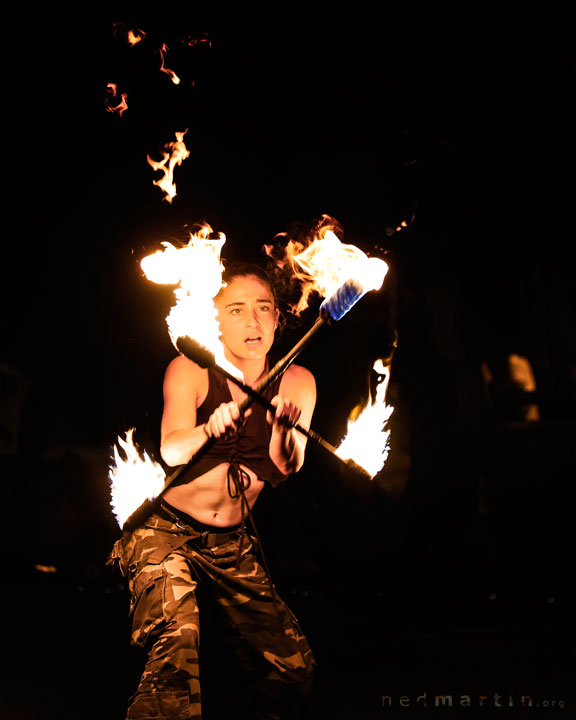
pixel 248 446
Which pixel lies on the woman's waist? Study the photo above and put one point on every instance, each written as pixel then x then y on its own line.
pixel 208 499
pixel 183 519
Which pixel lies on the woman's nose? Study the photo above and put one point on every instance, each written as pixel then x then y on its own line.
pixel 252 319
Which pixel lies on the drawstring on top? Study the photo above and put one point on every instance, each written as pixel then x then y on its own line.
pixel 238 481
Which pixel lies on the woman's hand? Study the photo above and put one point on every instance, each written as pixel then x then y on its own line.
pixel 224 420
pixel 286 415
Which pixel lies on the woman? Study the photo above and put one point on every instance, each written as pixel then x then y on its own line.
pixel 198 535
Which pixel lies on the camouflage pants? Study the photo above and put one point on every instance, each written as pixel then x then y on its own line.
pixel 164 564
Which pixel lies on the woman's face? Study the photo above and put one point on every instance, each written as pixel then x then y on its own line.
pixel 248 317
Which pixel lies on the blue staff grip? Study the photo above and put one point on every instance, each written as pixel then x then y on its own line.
pixel 343 299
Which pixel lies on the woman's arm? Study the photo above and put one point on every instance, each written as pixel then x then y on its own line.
pixel 294 405
pixel 185 385
pixel 180 437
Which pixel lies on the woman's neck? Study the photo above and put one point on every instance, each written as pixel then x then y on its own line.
pixel 252 370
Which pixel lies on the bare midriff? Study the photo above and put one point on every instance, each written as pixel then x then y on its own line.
pixel 206 498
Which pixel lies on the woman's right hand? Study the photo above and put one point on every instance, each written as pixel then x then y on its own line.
pixel 224 420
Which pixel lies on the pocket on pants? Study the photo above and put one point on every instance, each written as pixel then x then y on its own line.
pixel 148 603
pixel 153 705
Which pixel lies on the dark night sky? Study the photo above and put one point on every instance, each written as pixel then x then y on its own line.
pixel 463 126
pixel 460 124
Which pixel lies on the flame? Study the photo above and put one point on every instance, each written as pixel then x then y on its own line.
pixel 195 40
pixel 367 438
pixel 522 376
pixel 133 479
pixel 121 104
pixel 171 74
pixel 196 269
pixel 175 154
pixel 325 264
pixel 135 36
pixel 132 37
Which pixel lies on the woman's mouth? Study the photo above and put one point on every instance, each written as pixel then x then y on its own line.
pixel 253 340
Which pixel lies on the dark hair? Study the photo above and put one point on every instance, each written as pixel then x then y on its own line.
pixel 243 269
pixel 234 269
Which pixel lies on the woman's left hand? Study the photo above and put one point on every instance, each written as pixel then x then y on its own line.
pixel 287 413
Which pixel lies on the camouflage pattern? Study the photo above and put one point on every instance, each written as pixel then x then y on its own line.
pixel 164 562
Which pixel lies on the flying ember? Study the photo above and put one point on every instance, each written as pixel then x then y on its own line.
pixel 119 105
pixel 175 154
pixel 135 36
pixel 171 74
pixel 132 37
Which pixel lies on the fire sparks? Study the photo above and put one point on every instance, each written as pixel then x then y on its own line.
pixel 171 74
pixel 175 154
pixel 197 271
pixel 115 102
pixel 134 479
pixel 195 40
pixel 367 438
pixel 325 264
pixel 391 230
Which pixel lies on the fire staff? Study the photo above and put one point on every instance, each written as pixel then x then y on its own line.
pixel 198 535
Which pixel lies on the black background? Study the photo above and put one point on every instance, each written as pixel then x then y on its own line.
pixel 451 571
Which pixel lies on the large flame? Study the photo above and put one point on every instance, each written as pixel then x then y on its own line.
pixel 323 265
pixel 367 437
pixel 134 478
pixel 175 154
pixel 196 269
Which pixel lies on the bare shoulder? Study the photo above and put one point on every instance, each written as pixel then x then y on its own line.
pixel 298 376
pixel 185 373
pixel 181 365
pixel 299 385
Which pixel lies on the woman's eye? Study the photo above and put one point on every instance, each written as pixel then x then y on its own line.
pixel 264 308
